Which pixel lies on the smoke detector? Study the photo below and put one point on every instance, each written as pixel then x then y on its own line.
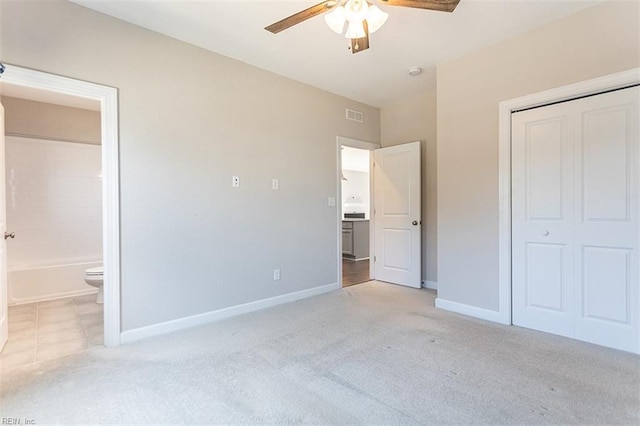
pixel 415 71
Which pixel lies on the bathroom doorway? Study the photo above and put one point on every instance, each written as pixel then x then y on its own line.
pixel 53 199
pixel 52 88
pixel 355 186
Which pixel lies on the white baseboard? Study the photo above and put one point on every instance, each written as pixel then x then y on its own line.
pixel 430 285
pixel 469 310
pixel 55 296
pixel 207 317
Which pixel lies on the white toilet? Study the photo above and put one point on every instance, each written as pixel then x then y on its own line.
pixel 95 277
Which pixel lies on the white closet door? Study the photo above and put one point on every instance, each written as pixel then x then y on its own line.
pixel 542 218
pixel 606 227
pixel 575 219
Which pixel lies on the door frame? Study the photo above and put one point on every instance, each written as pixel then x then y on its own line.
pixel 108 98
pixel 505 108
pixel 369 146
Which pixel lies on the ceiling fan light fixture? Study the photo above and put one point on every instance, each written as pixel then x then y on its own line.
pixel 355 30
pixel 376 18
pixel 336 19
pixel 356 10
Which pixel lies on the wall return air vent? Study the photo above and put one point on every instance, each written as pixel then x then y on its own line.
pixel 354 115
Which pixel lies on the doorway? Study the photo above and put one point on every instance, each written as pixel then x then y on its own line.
pixel 394 212
pixel 355 203
pixel 53 214
pixel 30 80
pixel 354 189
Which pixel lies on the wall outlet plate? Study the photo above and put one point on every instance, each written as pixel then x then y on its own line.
pixel 235 181
pixel 276 274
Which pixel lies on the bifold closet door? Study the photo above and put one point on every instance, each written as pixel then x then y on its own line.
pixel 542 219
pixel 575 219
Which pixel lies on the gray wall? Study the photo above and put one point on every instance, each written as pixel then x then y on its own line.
pixel 598 41
pixel 414 119
pixel 189 120
pixel 43 120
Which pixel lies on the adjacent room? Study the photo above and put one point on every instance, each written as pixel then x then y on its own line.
pixel 355 177
pixel 54 206
pixel 337 212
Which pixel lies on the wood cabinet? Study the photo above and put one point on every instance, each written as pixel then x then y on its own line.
pixel 355 239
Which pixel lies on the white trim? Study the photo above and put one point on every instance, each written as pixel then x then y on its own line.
pixel 108 97
pixel 48 138
pixel 353 143
pixel 596 85
pixel 208 317
pixel 353 259
pixel 430 284
pixel 356 143
pixel 472 311
pixel 74 293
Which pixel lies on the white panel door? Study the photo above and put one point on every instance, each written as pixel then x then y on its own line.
pixel 606 228
pixel 542 220
pixel 4 317
pixel 397 214
pixel 575 219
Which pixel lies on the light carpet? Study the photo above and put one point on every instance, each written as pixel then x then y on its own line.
pixel 370 354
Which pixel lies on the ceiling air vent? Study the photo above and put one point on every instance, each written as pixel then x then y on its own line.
pixel 354 115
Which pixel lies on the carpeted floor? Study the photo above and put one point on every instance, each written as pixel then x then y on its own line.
pixel 369 354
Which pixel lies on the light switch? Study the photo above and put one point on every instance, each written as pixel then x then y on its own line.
pixel 331 202
pixel 235 181
pixel 275 184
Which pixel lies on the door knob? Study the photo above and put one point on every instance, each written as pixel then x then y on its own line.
pixel 9 235
pixel 414 223
pixel 545 233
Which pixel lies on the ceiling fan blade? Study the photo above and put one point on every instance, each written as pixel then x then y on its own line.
pixel 360 44
pixel 440 5
pixel 301 16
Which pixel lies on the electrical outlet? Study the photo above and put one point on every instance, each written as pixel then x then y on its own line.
pixel 331 201
pixel 276 274
pixel 275 184
pixel 235 181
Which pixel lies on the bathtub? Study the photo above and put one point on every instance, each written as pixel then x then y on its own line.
pixel 35 284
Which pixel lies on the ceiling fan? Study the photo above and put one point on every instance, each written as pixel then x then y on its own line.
pixel 360 17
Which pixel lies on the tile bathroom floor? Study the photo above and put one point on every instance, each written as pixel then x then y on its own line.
pixel 47 330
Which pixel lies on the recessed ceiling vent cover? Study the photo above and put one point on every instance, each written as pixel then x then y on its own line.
pixel 354 115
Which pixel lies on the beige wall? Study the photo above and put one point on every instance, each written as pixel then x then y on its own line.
pixel 599 41
pixel 42 120
pixel 411 120
pixel 190 120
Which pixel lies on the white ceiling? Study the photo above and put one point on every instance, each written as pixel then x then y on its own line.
pixel 311 53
